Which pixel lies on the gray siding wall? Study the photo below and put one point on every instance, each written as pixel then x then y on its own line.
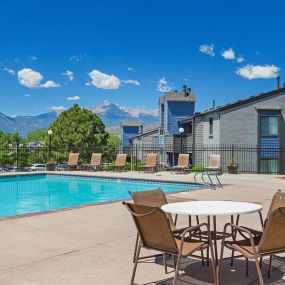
pixel 199 130
pixel 240 125
pixel 215 138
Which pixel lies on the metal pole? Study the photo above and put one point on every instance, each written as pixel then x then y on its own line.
pixel 49 148
pixel 17 156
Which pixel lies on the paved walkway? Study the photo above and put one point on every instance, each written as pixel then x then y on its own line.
pixel 94 245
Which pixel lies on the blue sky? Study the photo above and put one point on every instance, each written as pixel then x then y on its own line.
pixel 141 43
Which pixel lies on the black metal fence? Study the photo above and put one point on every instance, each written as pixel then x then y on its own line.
pixel 250 158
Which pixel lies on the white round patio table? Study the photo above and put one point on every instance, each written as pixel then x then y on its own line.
pixel 212 209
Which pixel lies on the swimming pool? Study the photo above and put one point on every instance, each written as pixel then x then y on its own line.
pixel 22 194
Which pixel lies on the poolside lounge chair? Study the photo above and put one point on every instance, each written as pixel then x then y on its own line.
pixel 183 163
pixel 271 241
pixel 156 234
pixel 72 163
pixel 150 164
pixel 120 162
pixel 212 169
pixel 94 162
pixel 155 198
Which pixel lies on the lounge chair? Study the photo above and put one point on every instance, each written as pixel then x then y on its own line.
pixel 120 162
pixel 94 162
pixel 183 163
pixel 212 169
pixel 72 163
pixel 156 234
pixel 150 164
pixel 155 198
pixel 271 241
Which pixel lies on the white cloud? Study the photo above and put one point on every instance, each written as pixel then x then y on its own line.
pixel 27 95
pixel 77 57
pixel 58 109
pixel 130 68
pixel 228 54
pixel 50 84
pixel 207 49
pixel 73 98
pixel 32 79
pixel 9 70
pixel 130 81
pixel 69 74
pixel 240 59
pixel 104 81
pixel 258 71
pixel 32 57
pixel 163 86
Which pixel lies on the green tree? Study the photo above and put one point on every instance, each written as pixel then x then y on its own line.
pixel 37 135
pixel 112 147
pixel 78 129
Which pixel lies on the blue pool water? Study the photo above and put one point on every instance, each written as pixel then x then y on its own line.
pixel 35 193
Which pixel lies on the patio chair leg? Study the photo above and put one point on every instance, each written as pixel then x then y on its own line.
pixel 246 267
pixel 136 264
pixel 260 262
pixel 177 269
pixel 164 263
pixel 208 262
pixel 174 261
pixel 136 248
pixel 175 219
pixel 270 266
pixel 261 219
pixel 261 281
pixel 202 251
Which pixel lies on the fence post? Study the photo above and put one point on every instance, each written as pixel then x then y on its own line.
pixel 136 157
pixel 232 153
pixel 17 156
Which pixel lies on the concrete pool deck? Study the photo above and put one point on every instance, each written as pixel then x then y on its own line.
pixel 94 245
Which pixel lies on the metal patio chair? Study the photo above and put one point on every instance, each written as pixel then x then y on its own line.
pixel 72 163
pixel 151 161
pixel 156 234
pixel 183 163
pixel 120 162
pixel 255 247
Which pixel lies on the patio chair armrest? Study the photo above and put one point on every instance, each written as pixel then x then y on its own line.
pixel 241 230
pixel 195 228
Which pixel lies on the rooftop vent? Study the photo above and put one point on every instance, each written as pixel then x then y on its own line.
pixel 186 90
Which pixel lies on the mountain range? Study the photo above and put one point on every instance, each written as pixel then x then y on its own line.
pixel 110 113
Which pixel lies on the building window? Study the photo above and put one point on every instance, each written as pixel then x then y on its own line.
pixel 211 127
pixel 269 141
pixel 269 126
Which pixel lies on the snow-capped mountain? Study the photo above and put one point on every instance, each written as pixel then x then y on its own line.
pixel 110 113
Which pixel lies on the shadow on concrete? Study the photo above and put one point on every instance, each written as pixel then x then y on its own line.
pixel 192 272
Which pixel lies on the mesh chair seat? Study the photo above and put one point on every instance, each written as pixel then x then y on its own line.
pixel 190 245
pixel 244 246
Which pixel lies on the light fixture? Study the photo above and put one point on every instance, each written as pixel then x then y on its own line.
pixel 181 130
